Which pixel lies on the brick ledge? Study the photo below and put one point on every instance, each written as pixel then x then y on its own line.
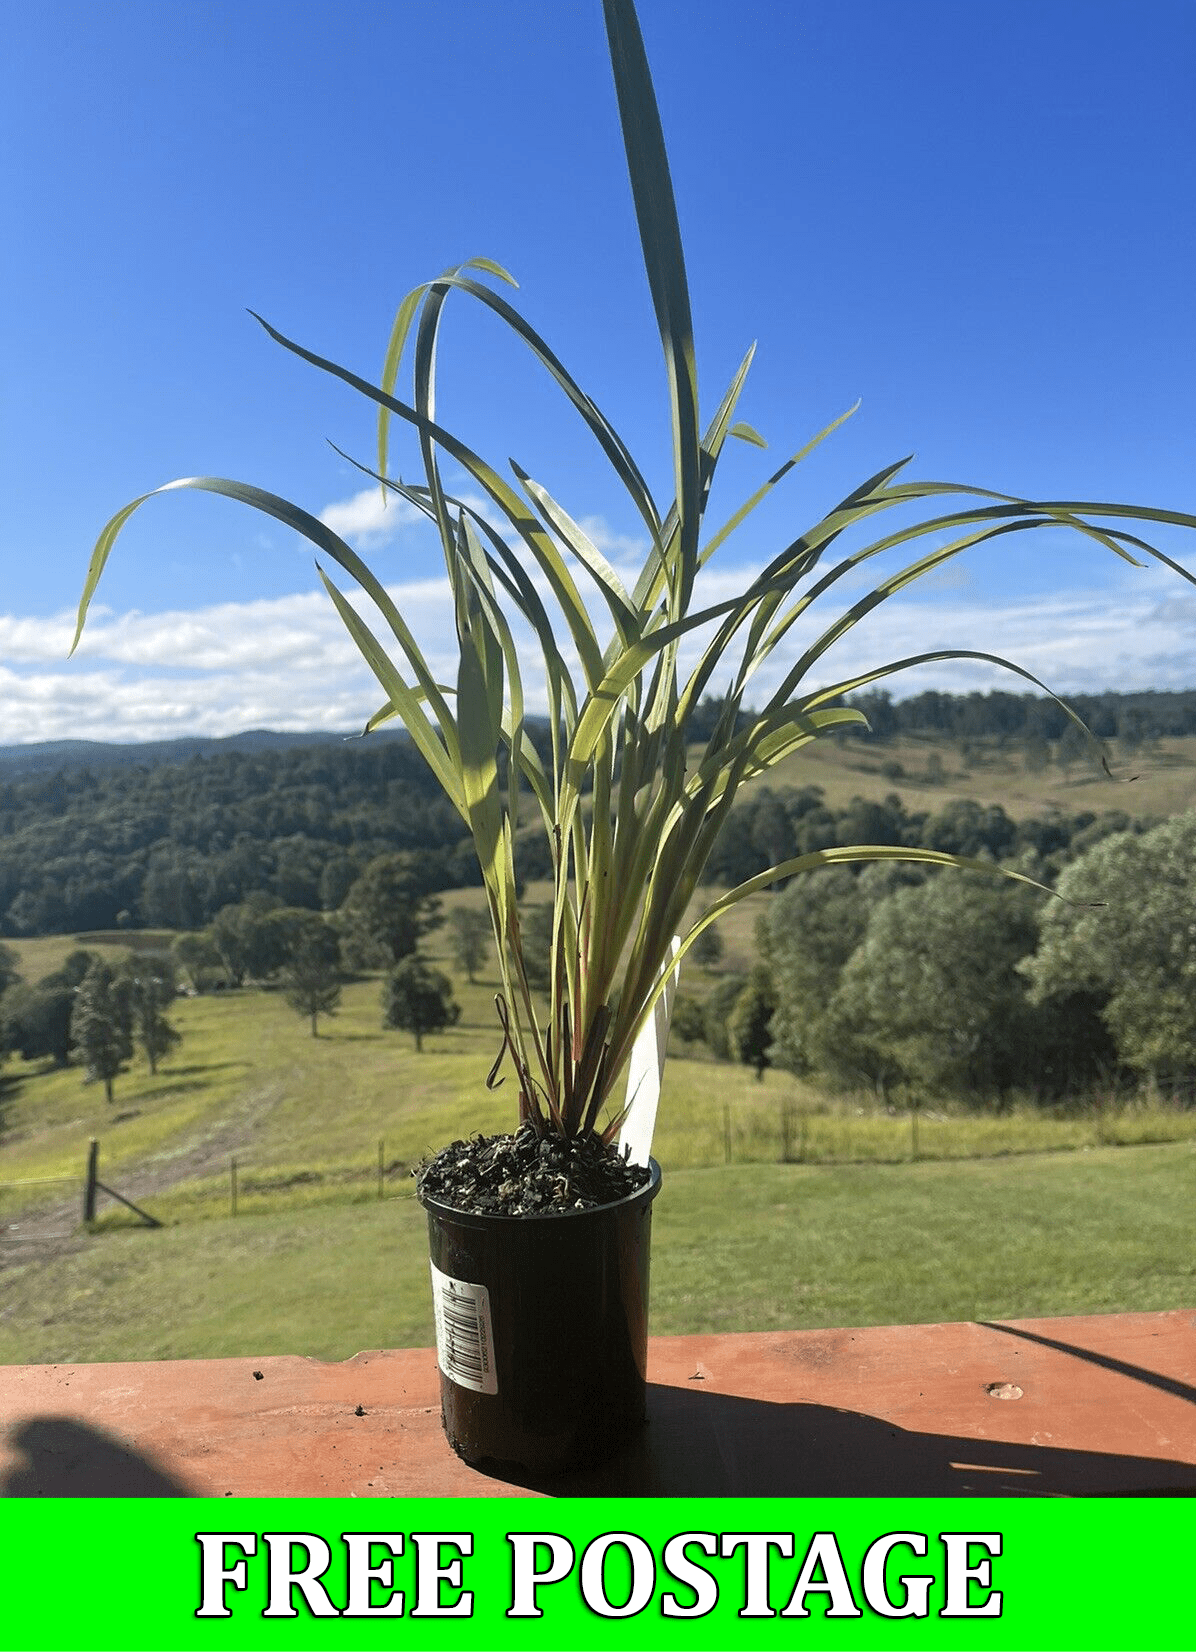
pixel 1094 1405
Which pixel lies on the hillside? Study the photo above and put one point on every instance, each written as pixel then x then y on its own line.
pixel 323 1258
pixel 1151 781
pixel 96 837
pixel 50 756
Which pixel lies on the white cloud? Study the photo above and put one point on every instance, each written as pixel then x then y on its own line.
pixel 622 549
pixel 288 663
pixel 368 519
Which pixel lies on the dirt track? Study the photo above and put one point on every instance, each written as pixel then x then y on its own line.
pixel 52 1227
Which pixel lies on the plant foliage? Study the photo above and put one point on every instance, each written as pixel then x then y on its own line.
pixel 629 814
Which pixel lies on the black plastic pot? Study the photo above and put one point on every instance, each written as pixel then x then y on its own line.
pixel 542 1331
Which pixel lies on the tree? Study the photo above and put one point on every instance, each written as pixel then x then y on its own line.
pixel 387 910
pixel 100 1034
pixel 933 988
pixel 174 891
pixel 469 936
pixel 149 984
pixel 734 858
pixel 40 911
pixel 298 864
pixel 1133 728
pixel 708 949
pixel 35 1017
pixel 337 877
pixel 1072 748
pixel 248 941
pixel 748 1027
pixel 199 959
pixel 717 1013
pixel 74 968
pixel 311 986
pixel 688 1021
pixel 772 830
pixel 35 1020
pixel 311 974
pixel 965 827
pixel 806 935
pixel 418 999
pixel 295 931
pixel 1135 952
pixel 536 928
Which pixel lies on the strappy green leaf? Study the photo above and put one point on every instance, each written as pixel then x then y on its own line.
pixel 630 814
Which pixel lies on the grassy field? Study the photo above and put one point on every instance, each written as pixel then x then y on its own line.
pixel 745 1248
pixel 1055 1221
pixel 249 1076
pixel 1163 776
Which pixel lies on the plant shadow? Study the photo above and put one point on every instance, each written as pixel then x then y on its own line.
pixel 703 1444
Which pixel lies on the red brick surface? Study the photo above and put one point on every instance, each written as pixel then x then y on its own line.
pixel 1099 1405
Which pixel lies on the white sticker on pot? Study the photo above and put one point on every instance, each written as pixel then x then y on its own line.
pixel 464 1333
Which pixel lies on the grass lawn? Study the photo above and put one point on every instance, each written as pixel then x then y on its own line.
pixel 315 1263
pixel 745 1248
pixel 1164 776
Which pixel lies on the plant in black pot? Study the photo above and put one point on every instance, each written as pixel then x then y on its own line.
pixel 539 1238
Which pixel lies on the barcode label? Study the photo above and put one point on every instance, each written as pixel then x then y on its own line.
pixel 464 1335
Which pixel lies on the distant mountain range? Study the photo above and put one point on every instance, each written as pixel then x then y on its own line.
pixel 45 756
pixel 1130 717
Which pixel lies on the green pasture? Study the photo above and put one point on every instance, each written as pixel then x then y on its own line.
pixel 248 1081
pixel 1053 1219
pixel 1163 776
pixel 746 1248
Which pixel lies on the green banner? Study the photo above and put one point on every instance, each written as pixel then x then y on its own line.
pixel 87 1575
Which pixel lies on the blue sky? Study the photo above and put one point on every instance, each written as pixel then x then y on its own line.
pixel 978 219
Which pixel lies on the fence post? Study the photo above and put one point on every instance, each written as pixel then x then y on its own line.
pixel 381 1168
pixel 913 1128
pixel 89 1188
pixel 233 1179
pixel 726 1132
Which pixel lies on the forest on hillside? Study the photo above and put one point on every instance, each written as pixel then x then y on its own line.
pixel 297 865
pixel 1131 719
pixel 169 844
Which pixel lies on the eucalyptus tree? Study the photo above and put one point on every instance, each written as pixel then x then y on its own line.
pixel 469 938
pixel 386 910
pixel 418 999
pixel 149 987
pixel 101 1030
pixel 1126 934
pixel 932 990
pixel 310 949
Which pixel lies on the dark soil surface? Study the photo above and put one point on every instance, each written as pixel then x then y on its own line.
pixel 524 1175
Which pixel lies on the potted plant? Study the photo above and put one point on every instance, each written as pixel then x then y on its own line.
pixel 551 1223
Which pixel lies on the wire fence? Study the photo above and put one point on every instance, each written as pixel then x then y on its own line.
pixel 250 1184
pixel 244 1187
pixel 782 1126
pixel 768 1132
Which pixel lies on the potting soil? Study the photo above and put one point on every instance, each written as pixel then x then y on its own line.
pixel 528 1175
